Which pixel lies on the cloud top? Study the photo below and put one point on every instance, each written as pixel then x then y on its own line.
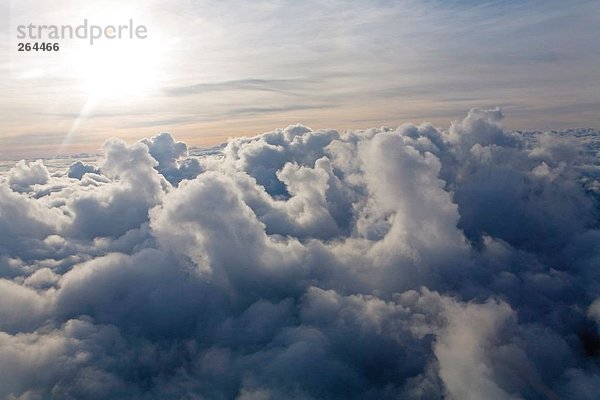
pixel 383 263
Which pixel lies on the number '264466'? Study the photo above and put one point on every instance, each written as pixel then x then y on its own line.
pixel 44 46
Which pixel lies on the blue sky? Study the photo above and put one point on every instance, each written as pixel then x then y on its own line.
pixel 210 70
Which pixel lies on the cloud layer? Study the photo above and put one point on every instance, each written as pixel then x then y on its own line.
pixel 384 263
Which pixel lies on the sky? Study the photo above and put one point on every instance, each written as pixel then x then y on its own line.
pixel 212 70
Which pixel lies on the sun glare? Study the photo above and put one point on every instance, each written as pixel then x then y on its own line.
pixel 117 69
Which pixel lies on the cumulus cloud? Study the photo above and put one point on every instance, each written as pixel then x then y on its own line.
pixel 78 169
pixel 172 157
pixel 383 263
pixel 25 174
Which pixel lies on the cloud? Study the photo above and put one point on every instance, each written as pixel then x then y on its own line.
pixel 24 174
pixel 382 263
pixel 173 161
pixel 268 85
pixel 78 169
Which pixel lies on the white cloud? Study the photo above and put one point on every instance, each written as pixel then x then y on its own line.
pixel 380 263
pixel 23 175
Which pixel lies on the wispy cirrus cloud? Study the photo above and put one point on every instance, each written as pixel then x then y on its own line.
pixel 286 86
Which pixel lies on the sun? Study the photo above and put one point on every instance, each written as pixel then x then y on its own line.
pixel 117 69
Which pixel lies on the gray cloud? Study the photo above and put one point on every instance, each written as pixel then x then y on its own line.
pixel 382 263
